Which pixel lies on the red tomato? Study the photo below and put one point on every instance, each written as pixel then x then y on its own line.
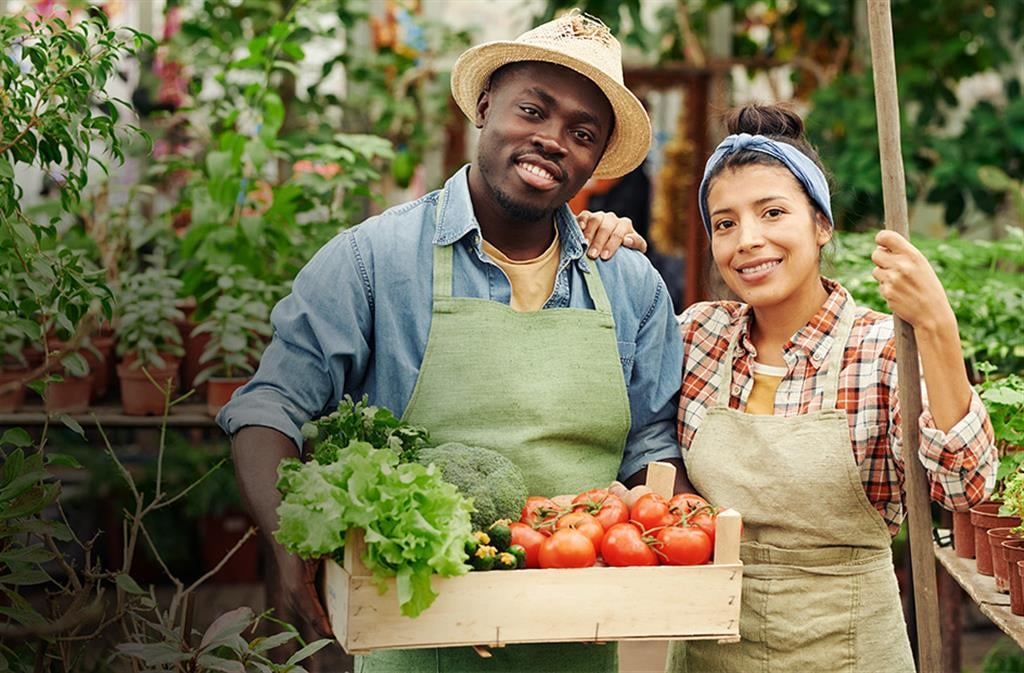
pixel 525 535
pixel 683 546
pixel 624 545
pixel 609 509
pixel 540 512
pixel 686 502
pixel 567 548
pixel 652 511
pixel 584 523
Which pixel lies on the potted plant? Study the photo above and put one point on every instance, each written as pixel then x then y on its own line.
pixel 237 329
pixel 1013 547
pixel 1004 400
pixel 149 342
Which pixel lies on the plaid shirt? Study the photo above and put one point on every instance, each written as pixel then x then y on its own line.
pixel 960 463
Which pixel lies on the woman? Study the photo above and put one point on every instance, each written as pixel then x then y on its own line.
pixel 789 413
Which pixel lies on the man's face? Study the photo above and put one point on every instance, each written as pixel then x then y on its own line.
pixel 544 129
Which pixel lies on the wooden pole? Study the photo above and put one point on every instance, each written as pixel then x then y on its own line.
pixel 894 194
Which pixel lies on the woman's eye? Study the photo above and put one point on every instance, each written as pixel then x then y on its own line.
pixel 774 212
pixel 722 224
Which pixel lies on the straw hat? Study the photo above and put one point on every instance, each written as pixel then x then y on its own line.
pixel 580 43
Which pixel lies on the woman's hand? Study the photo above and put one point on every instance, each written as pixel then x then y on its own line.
pixel 910 285
pixel 607 232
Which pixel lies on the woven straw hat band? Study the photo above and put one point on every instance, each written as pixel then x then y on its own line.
pixel 582 44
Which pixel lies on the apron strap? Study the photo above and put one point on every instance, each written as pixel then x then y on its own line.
pixel 725 371
pixel 835 356
pixel 596 289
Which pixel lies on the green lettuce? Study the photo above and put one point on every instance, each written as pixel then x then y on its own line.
pixel 416 524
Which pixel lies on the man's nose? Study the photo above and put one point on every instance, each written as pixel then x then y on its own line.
pixel 547 141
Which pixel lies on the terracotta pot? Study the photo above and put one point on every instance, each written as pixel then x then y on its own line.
pixel 219 534
pixel 139 397
pixel 220 390
pixel 984 516
pixel 1013 551
pixel 999 568
pixel 101 367
pixel 12 400
pixel 70 396
pixel 963 534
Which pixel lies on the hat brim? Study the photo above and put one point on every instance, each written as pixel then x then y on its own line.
pixel 631 137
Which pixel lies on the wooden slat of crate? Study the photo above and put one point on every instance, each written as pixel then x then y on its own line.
pixel 525 606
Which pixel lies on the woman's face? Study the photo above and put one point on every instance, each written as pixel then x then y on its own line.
pixel 765 236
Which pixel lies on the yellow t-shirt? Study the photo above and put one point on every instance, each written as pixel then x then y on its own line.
pixel 532 280
pixel 766 381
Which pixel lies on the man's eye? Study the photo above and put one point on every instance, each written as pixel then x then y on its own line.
pixel 586 136
pixel 530 110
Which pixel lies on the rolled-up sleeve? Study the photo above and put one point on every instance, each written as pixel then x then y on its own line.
pixel 321 340
pixel 654 386
pixel 961 462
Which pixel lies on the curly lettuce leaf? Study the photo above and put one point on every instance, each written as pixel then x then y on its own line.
pixel 415 523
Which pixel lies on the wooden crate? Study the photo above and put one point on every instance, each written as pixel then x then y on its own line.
pixel 501 607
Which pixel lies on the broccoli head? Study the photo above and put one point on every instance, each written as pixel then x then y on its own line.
pixel 495 484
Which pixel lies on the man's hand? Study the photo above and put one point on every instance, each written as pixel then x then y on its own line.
pixel 298 582
pixel 256 452
pixel 607 232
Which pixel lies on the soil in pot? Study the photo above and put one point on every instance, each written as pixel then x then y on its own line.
pixel 12 399
pixel 219 392
pixel 139 397
pixel 963 534
pixel 999 568
pixel 984 516
pixel 1013 551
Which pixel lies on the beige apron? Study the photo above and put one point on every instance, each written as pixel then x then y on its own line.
pixel 819 591
pixel 544 388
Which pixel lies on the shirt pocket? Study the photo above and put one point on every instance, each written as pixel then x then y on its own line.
pixel 627 352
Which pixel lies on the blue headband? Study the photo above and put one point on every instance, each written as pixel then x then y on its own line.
pixel 799 164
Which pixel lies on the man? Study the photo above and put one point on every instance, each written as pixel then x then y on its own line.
pixel 474 312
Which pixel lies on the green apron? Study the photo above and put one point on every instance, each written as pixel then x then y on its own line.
pixel 819 591
pixel 545 389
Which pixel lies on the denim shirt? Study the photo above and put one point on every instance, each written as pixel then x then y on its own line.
pixel 359 314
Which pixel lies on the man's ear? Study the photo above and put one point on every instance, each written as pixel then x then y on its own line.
pixel 483 103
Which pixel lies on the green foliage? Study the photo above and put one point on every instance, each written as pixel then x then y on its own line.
pixel 363 422
pixel 415 523
pixel 1004 399
pixel 273 181
pixel 1004 657
pixel 147 321
pixel 982 281
pixel 492 481
pixel 238 325
pixel 58 120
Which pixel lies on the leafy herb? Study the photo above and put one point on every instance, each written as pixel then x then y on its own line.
pixel 415 523
pixel 362 422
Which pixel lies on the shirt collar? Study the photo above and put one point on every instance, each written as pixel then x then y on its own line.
pixel 814 339
pixel 457 219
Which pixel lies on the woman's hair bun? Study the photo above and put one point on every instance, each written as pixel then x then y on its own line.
pixel 765 120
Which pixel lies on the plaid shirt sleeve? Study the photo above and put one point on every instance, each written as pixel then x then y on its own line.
pixel 961 463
